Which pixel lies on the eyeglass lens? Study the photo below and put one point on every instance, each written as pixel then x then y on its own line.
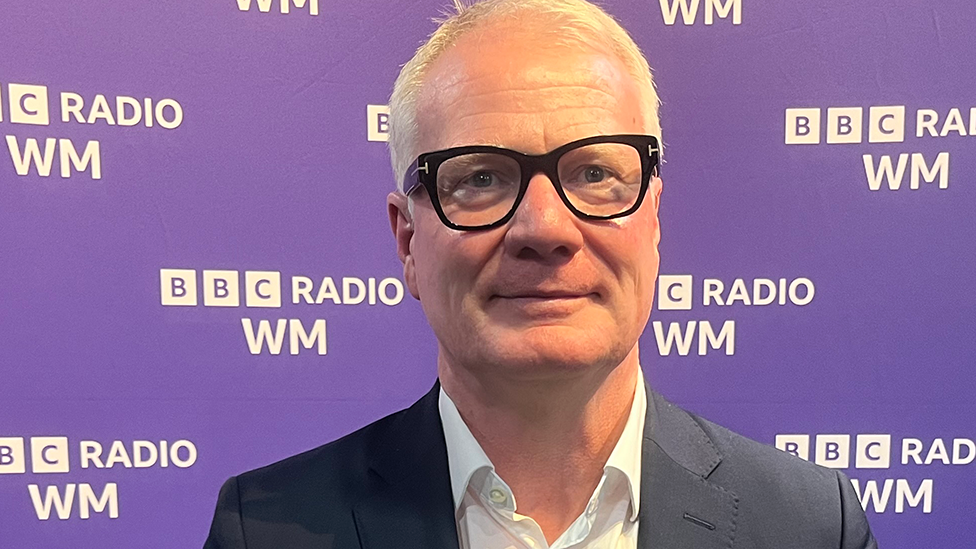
pixel 599 179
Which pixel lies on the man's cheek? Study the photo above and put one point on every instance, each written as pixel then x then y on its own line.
pixel 425 268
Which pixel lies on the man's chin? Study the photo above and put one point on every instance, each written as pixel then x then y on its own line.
pixel 548 349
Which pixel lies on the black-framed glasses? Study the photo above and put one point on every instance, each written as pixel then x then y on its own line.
pixel 480 187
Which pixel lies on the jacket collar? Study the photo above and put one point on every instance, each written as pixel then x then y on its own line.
pixel 680 507
pixel 410 504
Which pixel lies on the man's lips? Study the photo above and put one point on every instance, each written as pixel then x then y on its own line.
pixel 544 295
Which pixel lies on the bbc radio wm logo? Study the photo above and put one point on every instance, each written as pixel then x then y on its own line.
pixel 264 6
pixel 263 290
pixel 51 455
pixel 711 9
pixel 30 104
pixel 883 124
pixel 869 452
pixel 676 293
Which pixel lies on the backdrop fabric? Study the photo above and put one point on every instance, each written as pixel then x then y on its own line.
pixel 197 275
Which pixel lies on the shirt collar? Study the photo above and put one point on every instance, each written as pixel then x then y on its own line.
pixel 465 456
pixel 626 454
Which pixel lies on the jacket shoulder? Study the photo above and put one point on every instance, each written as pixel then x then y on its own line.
pixel 747 461
pixel 337 467
pixel 780 494
pixel 305 500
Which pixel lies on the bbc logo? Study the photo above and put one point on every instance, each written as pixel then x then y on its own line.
pixel 845 125
pixel 48 455
pixel 834 451
pixel 178 287
pixel 28 104
pixel 674 292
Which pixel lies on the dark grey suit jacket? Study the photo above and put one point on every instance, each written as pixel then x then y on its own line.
pixel 387 486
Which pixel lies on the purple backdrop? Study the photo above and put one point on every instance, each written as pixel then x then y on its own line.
pixel 828 144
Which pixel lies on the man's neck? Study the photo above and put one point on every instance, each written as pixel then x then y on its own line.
pixel 549 440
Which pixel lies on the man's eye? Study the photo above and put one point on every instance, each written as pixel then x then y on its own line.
pixel 481 180
pixel 594 174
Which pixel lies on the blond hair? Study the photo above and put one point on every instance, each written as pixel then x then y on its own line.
pixel 576 19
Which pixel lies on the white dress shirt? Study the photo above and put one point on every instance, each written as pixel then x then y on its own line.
pixel 486 511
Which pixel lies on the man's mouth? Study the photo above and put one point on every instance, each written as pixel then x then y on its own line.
pixel 544 303
pixel 540 295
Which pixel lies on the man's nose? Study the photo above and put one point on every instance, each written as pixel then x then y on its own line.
pixel 543 228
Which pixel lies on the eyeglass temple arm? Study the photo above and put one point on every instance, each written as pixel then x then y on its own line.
pixel 411 180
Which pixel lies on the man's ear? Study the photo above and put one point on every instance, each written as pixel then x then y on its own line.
pixel 401 222
pixel 657 186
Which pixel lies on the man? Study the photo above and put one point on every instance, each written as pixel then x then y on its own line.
pixel 526 140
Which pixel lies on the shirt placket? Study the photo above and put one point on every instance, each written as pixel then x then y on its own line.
pixel 583 525
pixel 498 497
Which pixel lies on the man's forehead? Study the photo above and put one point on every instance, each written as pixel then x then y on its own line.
pixel 503 57
pixel 519 80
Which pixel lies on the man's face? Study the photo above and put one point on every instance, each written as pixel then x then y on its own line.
pixel 547 293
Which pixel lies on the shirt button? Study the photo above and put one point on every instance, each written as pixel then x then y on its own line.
pixel 497 496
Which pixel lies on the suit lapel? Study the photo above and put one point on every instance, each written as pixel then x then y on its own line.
pixel 409 505
pixel 679 507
